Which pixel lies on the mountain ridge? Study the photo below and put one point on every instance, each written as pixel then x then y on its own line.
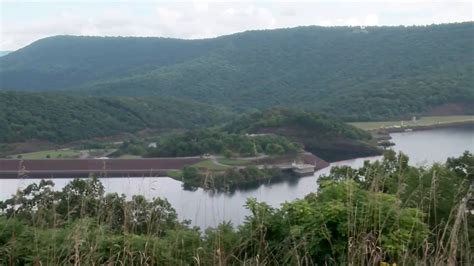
pixel 374 73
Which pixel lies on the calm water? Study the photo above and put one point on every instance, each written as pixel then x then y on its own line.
pixel 208 209
pixel 435 145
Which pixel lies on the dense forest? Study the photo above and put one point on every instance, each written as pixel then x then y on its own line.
pixel 273 132
pixel 357 74
pixel 60 118
pixel 384 212
pixel 210 141
pixel 230 179
pixel 320 134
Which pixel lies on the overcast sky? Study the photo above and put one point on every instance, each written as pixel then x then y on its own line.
pixel 23 22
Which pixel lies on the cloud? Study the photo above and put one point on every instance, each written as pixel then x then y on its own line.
pixel 371 20
pixel 168 16
pixel 200 6
pixel 368 20
pixel 24 23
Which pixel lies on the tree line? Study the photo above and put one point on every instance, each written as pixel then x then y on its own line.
pixel 214 141
pixel 61 118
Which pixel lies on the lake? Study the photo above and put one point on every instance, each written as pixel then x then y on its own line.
pixel 206 208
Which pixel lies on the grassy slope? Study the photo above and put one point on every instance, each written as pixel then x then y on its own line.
pixel 210 165
pixel 423 121
pixel 63 153
pixel 234 162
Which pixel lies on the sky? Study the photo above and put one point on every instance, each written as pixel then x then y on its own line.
pixel 23 22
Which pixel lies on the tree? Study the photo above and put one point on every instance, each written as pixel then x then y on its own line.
pixel 190 173
pixel 324 228
pixel 81 198
pixel 149 217
pixel 33 204
pixel 274 149
pixel 228 153
pixel 247 148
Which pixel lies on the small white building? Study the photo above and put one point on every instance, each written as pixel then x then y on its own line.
pixel 303 169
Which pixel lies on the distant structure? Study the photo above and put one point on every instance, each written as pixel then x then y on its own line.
pixel 303 169
pixel 361 29
pixel 255 135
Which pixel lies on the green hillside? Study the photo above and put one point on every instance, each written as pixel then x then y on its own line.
pixel 60 62
pixel 330 139
pixel 357 74
pixel 278 132
pixel 61 118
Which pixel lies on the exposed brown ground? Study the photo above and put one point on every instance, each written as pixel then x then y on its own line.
pixel 56 168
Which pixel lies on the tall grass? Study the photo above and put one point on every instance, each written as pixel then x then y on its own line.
pixel 385 212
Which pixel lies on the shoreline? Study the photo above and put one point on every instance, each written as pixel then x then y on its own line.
pixel 383 134
pixel 427 127
pixel 132 168
pixel 9 168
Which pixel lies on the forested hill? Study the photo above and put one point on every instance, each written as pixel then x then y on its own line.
pixel 357 74
pixel 60 118
pixel 330 139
